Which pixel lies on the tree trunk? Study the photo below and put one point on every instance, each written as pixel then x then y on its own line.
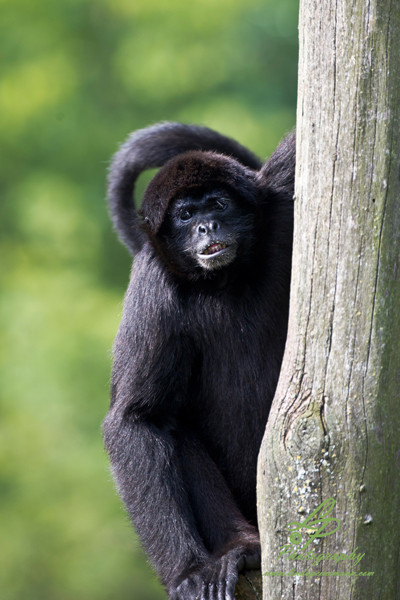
pixel 334 428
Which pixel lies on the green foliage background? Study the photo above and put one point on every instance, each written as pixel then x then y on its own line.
pixel 76 77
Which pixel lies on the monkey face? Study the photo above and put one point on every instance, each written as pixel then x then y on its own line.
pixel 199 213
pixel 207 230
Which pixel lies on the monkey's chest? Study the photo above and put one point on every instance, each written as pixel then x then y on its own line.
pixel 231 402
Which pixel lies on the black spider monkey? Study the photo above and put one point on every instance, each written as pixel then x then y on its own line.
pixel 199 348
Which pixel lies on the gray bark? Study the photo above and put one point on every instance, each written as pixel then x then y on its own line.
pixel 334 428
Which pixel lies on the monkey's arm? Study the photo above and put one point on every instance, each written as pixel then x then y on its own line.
pixel 177 498
pixel 150 148
pixel 279 170
pixel 150 465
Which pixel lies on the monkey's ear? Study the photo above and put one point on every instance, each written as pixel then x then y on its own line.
pixel 154 206
pixel 144 222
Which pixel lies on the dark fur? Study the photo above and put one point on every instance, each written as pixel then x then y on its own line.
pixel 198 354
pixel 153 147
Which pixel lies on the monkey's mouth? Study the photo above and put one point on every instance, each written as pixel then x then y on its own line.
pixel 217 255
pixel 214 248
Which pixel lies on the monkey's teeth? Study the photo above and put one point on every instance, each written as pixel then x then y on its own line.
pixel 214 248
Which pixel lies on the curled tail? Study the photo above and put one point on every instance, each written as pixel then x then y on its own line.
pixel 150 148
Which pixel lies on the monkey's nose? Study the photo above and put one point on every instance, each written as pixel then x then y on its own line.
pixel 205 228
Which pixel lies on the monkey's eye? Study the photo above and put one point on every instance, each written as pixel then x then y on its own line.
pixel 185 215
pixel 221 204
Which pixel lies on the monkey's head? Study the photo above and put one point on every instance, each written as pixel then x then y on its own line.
pixel 200 211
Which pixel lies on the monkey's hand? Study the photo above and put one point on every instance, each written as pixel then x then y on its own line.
pixel 217 579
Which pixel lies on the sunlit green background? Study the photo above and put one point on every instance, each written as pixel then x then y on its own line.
pixel 75 77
